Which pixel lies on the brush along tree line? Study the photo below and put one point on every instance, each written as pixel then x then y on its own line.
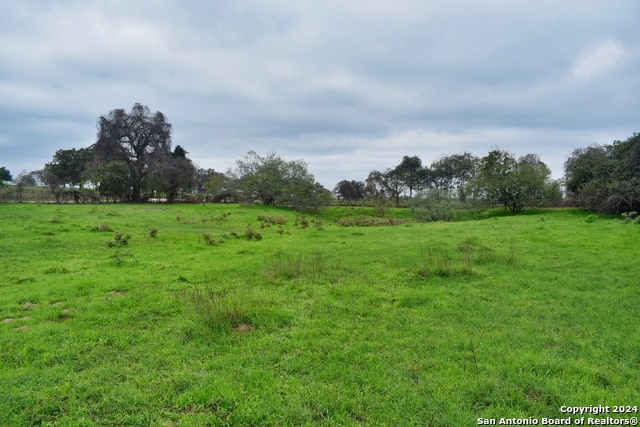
pixel 133 160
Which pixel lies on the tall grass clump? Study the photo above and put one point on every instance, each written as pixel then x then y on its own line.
pixel 283 266
pixel 220 311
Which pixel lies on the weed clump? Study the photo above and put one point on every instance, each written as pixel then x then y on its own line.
pixel 368 221
pixel 119 239
pixel 250 233
pixel 209 239
pixel 121 259
pixel 631 217
pixel 103 226
pixel 153 231
pixel 268 220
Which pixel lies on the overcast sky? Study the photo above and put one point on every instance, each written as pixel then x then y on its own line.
pixel 348 86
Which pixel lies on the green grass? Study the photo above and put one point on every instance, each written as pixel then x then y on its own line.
pixel 418 324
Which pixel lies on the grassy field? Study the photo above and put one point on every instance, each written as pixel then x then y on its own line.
pixel 184 321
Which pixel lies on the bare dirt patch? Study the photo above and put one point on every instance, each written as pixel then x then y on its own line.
pixel 29 305
pixel 22 328
pixel 8 320
pixel 243 328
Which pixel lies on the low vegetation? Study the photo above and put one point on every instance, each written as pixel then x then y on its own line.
pixel 437 323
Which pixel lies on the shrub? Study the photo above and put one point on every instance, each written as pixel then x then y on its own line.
pixel 153 231
pixel 630 217
pixel 434 205
pixel 591 218
pixel 249 232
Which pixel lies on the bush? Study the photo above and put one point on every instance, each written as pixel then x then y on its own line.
pixel 249 232
pixel 153 231
pixel 434 205
pixel 630 217
pixel 591 218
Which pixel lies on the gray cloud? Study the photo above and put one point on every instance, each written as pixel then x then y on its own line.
pixel 347 87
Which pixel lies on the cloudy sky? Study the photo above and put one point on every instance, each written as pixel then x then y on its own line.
pixel 348 86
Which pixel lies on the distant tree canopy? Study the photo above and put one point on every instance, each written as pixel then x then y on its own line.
pixel 132 154
pixel 605 178
pixel 5 175
pixel 275 181
pixel 349 191
pixel 68 167
pixel 513 183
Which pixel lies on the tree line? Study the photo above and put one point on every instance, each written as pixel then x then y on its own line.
pixel 497 178
pixel 133 160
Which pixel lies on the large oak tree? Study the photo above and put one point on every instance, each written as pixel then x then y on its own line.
pixel 140 139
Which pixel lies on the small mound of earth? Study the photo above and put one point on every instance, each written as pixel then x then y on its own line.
pixel 243 328
pixel 28 305
pixel 8 320
pixel 118 292
pixel 57 304
pixel 22 328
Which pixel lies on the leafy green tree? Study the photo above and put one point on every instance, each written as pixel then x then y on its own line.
pixel 274 181
pixel 513 183
pixel 139 139
pixel 113 181
pixel 606 178
pixel 412 173
pixel 174 175
pixel 453 174
pixel 385 186
pixel 220 186
pixel 5 175
pixel 350 191
pixel 69 166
